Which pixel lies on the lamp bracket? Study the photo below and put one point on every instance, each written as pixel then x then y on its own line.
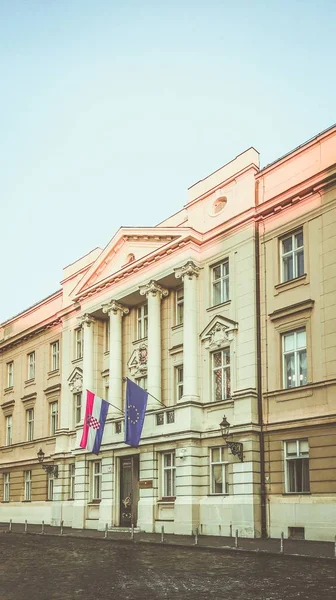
pixel 51 469
pixel 236 449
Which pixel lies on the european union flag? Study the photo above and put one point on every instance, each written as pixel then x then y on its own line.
pixel 136 403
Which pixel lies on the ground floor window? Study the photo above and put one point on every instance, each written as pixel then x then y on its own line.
pixel 218 471
pixel 297 466
pixel 27 485
pixel 96 480
pixel 168 467
pixel 6 495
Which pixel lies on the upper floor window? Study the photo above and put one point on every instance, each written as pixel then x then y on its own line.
pixel 221 375
pixel 77 408
pixel 294 356
pixel 30 424
pixel 142 321
pixel 179 296
pixel 179 382
pixel 6 492
pixel 27 485
pixel 297 466
pixel 54 356
pixel 53 417
pixel 79 343
pixel 168 467
pixel 220 282
pixel 292 256
pixel 218 466
pixel 72 471
pixel 31 365
pixel 10 374
pixel 9 430
pixel 142 382
pixel 96 480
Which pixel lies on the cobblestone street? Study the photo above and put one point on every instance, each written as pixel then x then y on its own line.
pixel 54 568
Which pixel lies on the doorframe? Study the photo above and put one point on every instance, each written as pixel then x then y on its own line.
pixel 117 475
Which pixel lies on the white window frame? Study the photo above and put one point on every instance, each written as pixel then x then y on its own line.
pixel 77 403
pixel 142 321
pixel 9 430
pixel 96 479
pixel 178 371
pixel 142 382
pixel 297 351
pixel 79 343
pixel 294 254
pixel 222 463
pixel 226 374
pixel 27 485
pixel 30 424
pixel 53 417
pixel 299 456
pixel 168 474
pixel 31 365
pixel 6 492
pixel 179 306
pixel 222 282
pixel 72 474
pixel 54 356
pixel 50 486
pixel 10 374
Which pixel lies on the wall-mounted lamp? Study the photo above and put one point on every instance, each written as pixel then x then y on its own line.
pixel 50 469
pixel 236 448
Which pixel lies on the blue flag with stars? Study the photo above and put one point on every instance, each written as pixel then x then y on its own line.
pixel 136 403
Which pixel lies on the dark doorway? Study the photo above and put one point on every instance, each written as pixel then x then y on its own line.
pixel 129 490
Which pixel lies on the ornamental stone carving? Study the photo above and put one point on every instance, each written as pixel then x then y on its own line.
pixel 76 381
pixel 219 332
pixel 85 319
pixel 114 307
pixel 137 362
pixel 188 270
pixel 154 289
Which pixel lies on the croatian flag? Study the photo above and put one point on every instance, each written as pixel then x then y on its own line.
pixel 94 421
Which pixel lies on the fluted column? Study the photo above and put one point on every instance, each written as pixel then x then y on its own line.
pixel 154 292
pixel 87 323
pixel 115 312
pixel 189 274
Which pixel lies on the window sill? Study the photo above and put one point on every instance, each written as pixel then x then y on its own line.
pixel 177 327
pixel 77 360
pixel 140 340
pixel 54 373
pixel 29 382
pixel 286 285
pixel 26 500
pixel 214 495
pixel 294 393
pixel 217 306
pixel 297 494
pixel 9 389
pixel 95 502
pixel 167 500
pixel 5 501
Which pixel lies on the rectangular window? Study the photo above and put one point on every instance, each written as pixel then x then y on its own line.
pixel 107 335
pixel 79 343
pixel 179 306
pixel 30 424
pixel 142 321
pixel 168 459
pixel 179 382
pixel 292 256
pixel 50 495
pixel 294 358
pixel 9 426
pixel 218 466
pixel 6 494
pixel 72 470
pixel 10 374
pixel 77 408
pixel 142 382
pixel 54 356
pixel 221 378
pixel 27 485
pixel 96 480
pixel 297 466
pixel 220 282
pixel 31 365
pixel 53 417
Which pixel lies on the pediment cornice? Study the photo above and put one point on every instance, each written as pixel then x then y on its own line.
pixel 219 332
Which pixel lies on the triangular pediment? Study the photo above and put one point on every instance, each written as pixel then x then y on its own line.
pixel 218 332
pixel 130 246
pixel 75 380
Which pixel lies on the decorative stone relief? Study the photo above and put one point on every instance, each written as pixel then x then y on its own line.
pixel 153 288
pixel 137 362
pixel 76 381
pixel 188 270
pixel 219 333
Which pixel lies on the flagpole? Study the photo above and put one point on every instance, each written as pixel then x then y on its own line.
pixel 157 400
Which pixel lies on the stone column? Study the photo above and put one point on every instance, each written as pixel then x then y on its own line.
pixel 87 323
pixel 154 292
pixel 116 312
pixel 189 274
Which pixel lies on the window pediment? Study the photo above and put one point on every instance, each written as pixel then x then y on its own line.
pixel 218 332
pixel 294 309
pixel 8 408
pixel 75 380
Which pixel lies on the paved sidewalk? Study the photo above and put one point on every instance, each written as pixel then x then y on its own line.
pixel 270 546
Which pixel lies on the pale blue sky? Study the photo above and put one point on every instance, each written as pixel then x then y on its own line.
pixel 110 110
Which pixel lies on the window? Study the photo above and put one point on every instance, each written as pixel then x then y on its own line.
pixel 292 256
pixel 179 382
pixel 221 380
pixel 30 424
pixel 77 408
pixel 179 306
pixel 50 491
pixel 31 365
pixel 10 374
pixel 6 493
pixel 218 466
pixel 27 485
pixel 220 283
pixel 168 474
pixel 9 425
pixel 142 382
pixel 142 321
pixel 79 343
pixel 297 466
pixel 96 480
pixel 72 470
pixel 54 351
pixel 53 417
pixel 294 355
pixel 107 336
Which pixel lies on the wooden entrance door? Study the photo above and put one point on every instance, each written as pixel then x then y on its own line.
pixel 129 490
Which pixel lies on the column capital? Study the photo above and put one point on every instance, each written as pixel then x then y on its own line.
pixel 85 319
pixel 114 307
pixel 152 288
pixel 188 270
